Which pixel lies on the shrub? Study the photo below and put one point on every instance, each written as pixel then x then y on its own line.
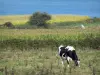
pixel 39 19
pixel 93 20
pixel 8 24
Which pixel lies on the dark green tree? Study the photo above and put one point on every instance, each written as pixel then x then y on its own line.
pixel 39 19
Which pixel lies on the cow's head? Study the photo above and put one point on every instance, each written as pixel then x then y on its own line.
pixel 77 62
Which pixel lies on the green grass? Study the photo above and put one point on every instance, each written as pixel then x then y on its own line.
pixel 28 38
pixel 44 61
pixel 32 33
pixel 33 51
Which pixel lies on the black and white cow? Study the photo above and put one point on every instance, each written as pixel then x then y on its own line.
pixel 68 53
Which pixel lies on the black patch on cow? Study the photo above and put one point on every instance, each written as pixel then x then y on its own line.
pixel 72 54
pixel 63 52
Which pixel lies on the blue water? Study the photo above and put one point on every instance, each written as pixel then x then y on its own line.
pixel 75 7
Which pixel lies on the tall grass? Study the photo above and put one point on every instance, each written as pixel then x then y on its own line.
pixel 44 62
pixel 39 38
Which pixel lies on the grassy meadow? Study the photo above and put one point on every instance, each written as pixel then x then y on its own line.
pixel 45 62
pixel 33 51
pixel 34 38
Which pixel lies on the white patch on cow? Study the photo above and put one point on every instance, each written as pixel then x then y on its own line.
pixel 60 47
pixel 69 59
pixel 64 57
pixel 70 48
pixel 78 63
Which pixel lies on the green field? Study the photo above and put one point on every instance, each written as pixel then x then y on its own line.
pixel 45 62
pixel 34 38
pixel 33 51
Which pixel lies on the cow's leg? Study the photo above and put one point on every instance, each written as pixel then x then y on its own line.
pixel 62 61
pixel 78 63
pixel 68 61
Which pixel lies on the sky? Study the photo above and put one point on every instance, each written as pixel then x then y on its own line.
pixel 75 7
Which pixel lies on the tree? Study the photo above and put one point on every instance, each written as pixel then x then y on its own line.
pixel 39 19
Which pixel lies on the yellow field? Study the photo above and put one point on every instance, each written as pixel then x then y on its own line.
pixel 22 19
pixel 15 19
pixel 67 18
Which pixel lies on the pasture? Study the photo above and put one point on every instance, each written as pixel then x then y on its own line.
pixel 34 38
pixel 33 51
pixel 45 62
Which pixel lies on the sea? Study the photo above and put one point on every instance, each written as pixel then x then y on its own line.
pixel 73 7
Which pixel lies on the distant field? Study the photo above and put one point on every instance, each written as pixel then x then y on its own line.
pixel 67 18
pixel 15 19
pixel 39 33
pixel 34 38
pixel 22 19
